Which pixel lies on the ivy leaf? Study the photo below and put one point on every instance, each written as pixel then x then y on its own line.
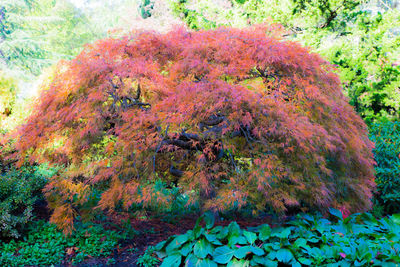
pixel 223 255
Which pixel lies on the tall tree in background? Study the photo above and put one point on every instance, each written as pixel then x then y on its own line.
pixel 34 34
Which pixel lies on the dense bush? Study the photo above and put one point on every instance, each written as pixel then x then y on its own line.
pixel 386 136
pixel 358 240
pixel 44 245
pixel 266 128
pixel 19 190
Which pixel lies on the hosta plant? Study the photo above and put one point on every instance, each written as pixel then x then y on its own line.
pixel 358 240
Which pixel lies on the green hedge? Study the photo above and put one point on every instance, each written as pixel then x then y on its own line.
pixel 386 136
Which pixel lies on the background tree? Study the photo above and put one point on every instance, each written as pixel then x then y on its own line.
pixel 35 34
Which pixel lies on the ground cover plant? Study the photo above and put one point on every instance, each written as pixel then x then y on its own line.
pixel 358 240
pixel 45 245
pixel 269 128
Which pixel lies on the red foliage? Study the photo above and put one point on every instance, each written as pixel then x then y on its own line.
pixel 235 116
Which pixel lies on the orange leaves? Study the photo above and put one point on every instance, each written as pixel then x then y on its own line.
pixel 233 117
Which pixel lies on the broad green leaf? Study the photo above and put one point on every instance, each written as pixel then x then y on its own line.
pixel 396 218
pixel 202 248
pixel 186 249
pixel 195 262
pixel 257 251
pixel 173 260
pixel 238 263
pixel 250 236
pixel 257 260
pixel 160 245
pixel 241 252
pixel 282 233
pixel 234 229
pixel 177 242
pixel 212 238
pixel 284 255
pixel 209 219
pixel 265 232
pixel 336 213
pixel 222 255
pixel 233 240
pixel 301 242
pixel 305 261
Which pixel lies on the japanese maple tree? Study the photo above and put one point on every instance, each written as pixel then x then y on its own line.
pixel 233 117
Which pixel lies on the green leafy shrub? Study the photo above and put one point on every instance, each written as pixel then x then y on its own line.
pixel 148 259
pixel 19 190
pixel 44 244
pixel 358 240
pixel 386 136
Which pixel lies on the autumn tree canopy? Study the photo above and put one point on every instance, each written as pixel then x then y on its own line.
pixel 232 117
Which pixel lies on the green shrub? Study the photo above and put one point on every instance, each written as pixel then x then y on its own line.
pixel 44 244
pixel 19 190
pixel 386 136
pixel 358 240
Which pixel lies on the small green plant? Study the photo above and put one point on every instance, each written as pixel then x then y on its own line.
pixel 147 259
pixel 358 240
pixel 44 244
